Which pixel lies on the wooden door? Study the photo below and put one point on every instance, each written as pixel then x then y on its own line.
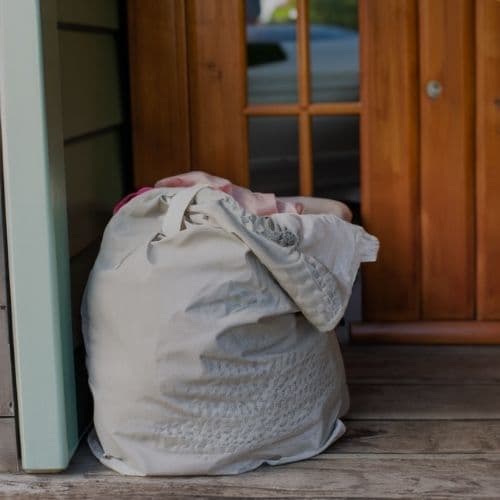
pixel 437 277
pixel 429 128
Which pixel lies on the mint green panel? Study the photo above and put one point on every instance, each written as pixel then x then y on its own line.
pixel 37 240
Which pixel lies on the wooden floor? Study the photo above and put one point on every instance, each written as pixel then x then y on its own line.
pixel 424 423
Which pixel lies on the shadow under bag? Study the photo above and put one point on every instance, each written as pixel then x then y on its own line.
pixel 207 334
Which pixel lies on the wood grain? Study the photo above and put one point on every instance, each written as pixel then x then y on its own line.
pixel 389 157
pixel 335 108
pixel 329 476
pixel 427 332
pixel 158 89
pixel 329 108
pixel 217 88
pixel 488 158
pixel 416 401
pixel 422 364
pixel 419 436
pixel 303 53
pixel 8 446
pixel 446 41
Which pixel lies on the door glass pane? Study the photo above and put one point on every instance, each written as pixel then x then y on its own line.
pixel 334 49
pixel 271 51
pixel 274 155
pixel 336 158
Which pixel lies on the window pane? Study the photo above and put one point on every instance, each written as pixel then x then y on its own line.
pixel 336 158
pixel 271 51
pixel 274 155
pixel 334 49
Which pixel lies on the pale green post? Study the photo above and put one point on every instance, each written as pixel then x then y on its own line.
pixel 35 200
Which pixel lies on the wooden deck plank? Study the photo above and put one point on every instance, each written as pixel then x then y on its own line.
pixel 416 402
pixel 329 476
pixel 422 364
pixel 419 436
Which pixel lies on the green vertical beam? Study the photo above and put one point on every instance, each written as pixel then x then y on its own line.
pixel 35 203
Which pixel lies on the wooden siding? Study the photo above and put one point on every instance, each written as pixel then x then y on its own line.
pixel 93 13
pixel 90 82
pixel 95 129
pixel 94 185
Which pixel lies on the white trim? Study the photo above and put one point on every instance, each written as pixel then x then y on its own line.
pixel 36 224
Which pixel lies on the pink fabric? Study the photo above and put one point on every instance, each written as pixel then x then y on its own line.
pixel 257 203
pixel 127 198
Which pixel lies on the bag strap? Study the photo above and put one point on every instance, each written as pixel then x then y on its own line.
pixel 172 221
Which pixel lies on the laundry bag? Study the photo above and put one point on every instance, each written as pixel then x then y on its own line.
pixel 208 332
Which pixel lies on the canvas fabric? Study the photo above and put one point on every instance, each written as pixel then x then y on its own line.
pixel 208 334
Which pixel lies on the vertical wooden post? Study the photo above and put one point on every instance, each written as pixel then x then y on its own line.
pixel 447 156
pixel 217 88
pixel 389 157
pixel 306 174
pixel 159 89
pixel 488 158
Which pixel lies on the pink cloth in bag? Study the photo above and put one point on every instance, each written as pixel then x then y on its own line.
pixel 257 203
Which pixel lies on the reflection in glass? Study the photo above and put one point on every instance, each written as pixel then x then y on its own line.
pixel 334 49
pixel 335 142
pixel 271 51
pixel 274 155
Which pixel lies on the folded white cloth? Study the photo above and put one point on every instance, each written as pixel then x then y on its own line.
pixel 205 329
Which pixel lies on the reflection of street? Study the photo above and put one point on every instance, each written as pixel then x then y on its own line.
pixel 334 64
pixel 273 140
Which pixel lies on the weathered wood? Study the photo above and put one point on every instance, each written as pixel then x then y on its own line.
pixel 8 446
pixel 389 157
pixel 94 183
pixel 6 387
pixel 328 476
pixel 488 158
pixel 90 82
pixel 159 89
pixel 422 364
pixel 446 43
pixel 434 402
pixel 95 13
pixel 217 81
pixel 419 436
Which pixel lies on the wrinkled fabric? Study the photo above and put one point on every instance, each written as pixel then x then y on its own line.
pixel 257 203
pixel 206 330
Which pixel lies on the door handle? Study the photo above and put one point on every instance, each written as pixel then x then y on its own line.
pixel 433 89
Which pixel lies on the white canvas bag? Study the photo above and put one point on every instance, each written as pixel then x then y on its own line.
pixel 206 331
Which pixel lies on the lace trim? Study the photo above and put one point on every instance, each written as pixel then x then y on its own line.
pixel 264 226
pixel 327 282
